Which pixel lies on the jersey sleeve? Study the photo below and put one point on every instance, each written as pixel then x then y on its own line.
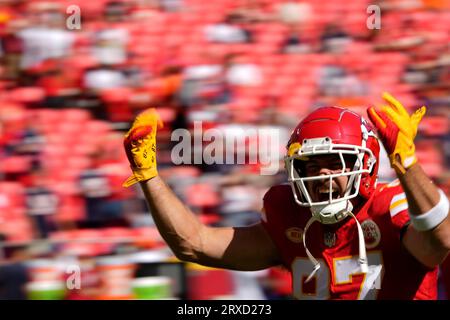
pixel 275 217
pixel 267 215
pixel 392 199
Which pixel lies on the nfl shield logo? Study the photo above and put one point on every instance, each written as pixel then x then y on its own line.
pixel 329 238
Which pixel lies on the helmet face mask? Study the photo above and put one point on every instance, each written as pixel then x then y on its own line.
pixel 354 161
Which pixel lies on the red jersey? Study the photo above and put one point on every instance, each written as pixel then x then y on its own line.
pixel 383 218
pixel 445 277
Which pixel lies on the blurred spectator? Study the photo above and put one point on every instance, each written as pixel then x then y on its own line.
pixel 13 274
pixel 102 81
pixel 12 128
pixel 41 202
pixel 295 13
pixel 168 84
pixel 406 36
pixel 296 42
pixel 31 143
pixel 60 82
pixel 337 81
pixel 239 205
pixel 12 48
pixel 45 36
pixel 100 187
pixel 95 190
pixel 216 89
pixel 278 284
pixel 199 80
pixel 111 39
pixel 20 142
pixel 230 30
pixel 247 285
pixel 148 11
pixel 171 5
pixel 242 72
pixel 329 78
pixel 104 77
pixel 254 11
pixel 334 39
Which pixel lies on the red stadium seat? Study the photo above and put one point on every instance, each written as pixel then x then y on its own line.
pixel 116 233
pixel 12 202
pixel 15 164
pixel 27 95
pixel 167 114
pixel 207 283
pixel 117 103
pixel 71 209
pixel 17 230
pixel 210 218
pixel 75 115
pixel 430 158
pixel 97 128
pixel 434 126
pixel 202 195
pixel 147 237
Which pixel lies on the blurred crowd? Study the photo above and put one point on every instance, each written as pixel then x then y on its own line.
pixel 72 80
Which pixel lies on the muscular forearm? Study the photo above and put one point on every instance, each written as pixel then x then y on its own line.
pixel 245 248
pixel 179 227
pixel 421 193
pixel 428 235
pixel 432 246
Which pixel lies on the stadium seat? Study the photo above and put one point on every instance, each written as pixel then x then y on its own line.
pixel 15 164
pixel 434 126
pixel 207 283
pixel 27 95
pixel 12 202
pixel 72 208
pixel 202 195
pixel 75 115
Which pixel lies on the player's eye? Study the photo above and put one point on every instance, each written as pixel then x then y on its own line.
pixel 312 167
pixel 349 161
pixel 336 165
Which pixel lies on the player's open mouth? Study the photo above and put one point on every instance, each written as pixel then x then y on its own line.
pixel 323 193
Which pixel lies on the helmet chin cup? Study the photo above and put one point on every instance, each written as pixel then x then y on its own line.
pixel 331 213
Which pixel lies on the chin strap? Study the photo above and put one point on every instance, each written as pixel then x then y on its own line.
pixel 313 260
pixel 362 248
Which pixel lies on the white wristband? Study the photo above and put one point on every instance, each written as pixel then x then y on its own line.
pixel 433 217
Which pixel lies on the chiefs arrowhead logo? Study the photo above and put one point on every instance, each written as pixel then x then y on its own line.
pixel 372 234
pixel 294 234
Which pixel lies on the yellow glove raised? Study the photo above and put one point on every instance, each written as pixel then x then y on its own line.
pixel 140 146
pixel 397 131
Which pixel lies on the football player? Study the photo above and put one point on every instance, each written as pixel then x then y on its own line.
pixel 342 235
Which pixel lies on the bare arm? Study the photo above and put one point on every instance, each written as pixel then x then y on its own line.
pixel 398 129
pixel 244 248
pixel 429 247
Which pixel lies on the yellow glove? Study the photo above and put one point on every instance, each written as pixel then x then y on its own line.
pixel 397 131
pixel 140 146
